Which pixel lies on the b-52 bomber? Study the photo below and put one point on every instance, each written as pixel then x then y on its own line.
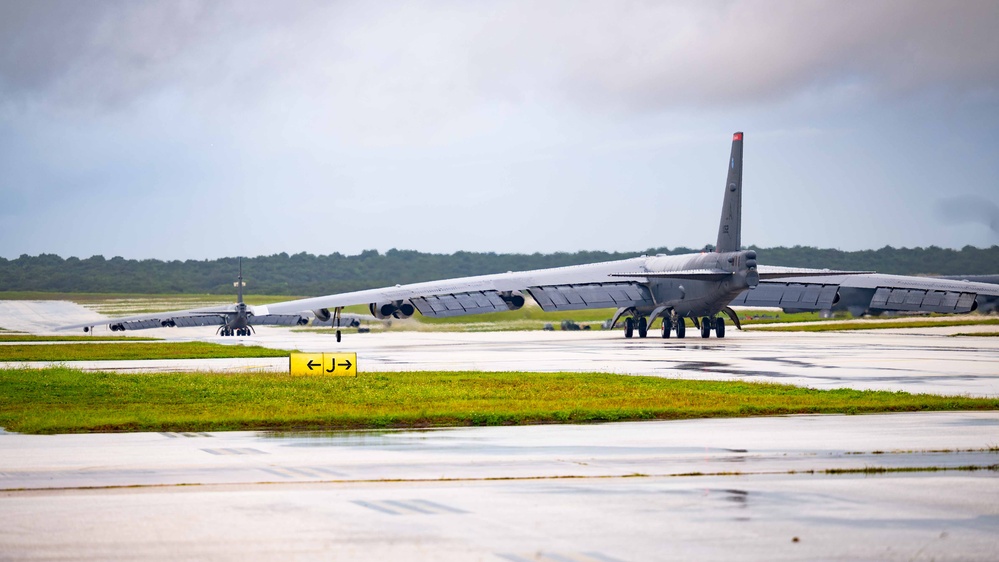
pixel 698 287
pixel 236 319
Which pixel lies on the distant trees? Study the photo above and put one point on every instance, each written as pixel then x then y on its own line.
pixel 306 274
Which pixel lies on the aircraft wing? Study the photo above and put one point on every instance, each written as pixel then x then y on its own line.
pixel 564 288
pixel 870 292
pixel 617 284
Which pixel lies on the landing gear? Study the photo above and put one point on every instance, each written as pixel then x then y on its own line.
pixel 708 323
pixel 673 322
pixel 643 327
pixel 336 321
pixel 227 332
pixel 629 327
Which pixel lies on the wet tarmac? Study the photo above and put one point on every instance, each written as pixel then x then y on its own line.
pixel 680 490
pixel 886 487
pixel 935 363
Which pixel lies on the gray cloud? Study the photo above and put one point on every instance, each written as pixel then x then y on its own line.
pixel 365 110
pixel 969 209
pixel 442 55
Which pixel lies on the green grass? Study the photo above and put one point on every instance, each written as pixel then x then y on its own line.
pixel 751 317
pixel 59 400
pixel 132 351
pixel 31 338
pixel 879 325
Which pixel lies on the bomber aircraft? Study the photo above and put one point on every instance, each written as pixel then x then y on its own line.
pixel 698 286
pixel 236 319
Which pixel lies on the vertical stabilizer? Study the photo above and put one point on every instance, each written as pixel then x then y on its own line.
pixel 730 228
pixel 239 283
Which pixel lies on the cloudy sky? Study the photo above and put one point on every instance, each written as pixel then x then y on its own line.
pixel 202 129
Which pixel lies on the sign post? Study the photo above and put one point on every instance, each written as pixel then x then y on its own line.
pixel 340 364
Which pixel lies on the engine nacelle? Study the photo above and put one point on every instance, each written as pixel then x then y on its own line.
pixel 393 309
pixel 514 301
pixel 323 314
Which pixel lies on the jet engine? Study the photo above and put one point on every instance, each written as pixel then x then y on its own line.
pixel 393 309
pixel 513 300
pixel 323 314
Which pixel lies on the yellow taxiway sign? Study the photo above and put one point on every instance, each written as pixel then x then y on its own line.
pixel 340 364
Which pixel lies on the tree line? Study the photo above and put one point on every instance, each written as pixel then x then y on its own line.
pixel 306 274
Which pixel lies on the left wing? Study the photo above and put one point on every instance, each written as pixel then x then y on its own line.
pixel 870 292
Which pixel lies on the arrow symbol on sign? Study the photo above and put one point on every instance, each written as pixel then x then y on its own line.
pixel 310 364
pixel 335 364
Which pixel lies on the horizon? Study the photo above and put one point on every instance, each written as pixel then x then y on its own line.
pixel 557 252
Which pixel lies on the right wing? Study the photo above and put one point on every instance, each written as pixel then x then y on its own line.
pixel 563 288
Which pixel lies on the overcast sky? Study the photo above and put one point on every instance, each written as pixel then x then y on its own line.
pixel 203 129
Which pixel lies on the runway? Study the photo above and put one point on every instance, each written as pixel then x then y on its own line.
pixel 928 361
pixel 699 489
pixel 891 487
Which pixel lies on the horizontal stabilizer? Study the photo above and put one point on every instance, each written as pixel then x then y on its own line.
pixel 778 272
pixel 699 274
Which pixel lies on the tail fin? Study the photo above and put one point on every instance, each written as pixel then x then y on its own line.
pixel 730 228
pixel 239 283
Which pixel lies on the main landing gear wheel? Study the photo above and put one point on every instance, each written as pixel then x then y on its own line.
pixel 667 326
pixel 706 327
pixel 629 327
pixel 681 328
pixel 643 327
pixel 336 321
pixel 720 327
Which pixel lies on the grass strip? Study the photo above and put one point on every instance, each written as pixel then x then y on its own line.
pixel 31 338
pixel 897 469
pixel 132 351
pixel 878 325
pixel 63 400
